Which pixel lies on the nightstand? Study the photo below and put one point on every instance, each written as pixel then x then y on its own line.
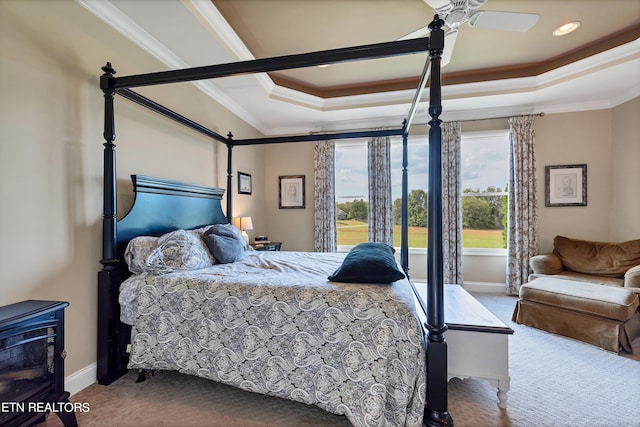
pixel 271 246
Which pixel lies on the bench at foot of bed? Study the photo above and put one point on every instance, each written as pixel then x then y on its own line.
pixel 478 342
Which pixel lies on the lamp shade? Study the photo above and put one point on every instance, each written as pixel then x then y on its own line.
pixel 246 223
pixel 243 223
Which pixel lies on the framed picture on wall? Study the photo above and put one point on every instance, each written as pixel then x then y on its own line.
pixel 244 183
pixel 291 192
pixel 565 185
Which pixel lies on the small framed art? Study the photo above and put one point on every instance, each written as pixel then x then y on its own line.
pixel 244 183
pixel 565 185
pixel 291 193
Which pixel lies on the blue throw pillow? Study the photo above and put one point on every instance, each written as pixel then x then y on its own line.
pixel 225 243
pixel 368 263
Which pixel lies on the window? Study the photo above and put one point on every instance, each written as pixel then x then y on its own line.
pixel 352 190
pixel 418 183
pixel 484 176
pixel 352 208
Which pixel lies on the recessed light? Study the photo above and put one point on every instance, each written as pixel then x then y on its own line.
pixel 323 65
pixel 566 28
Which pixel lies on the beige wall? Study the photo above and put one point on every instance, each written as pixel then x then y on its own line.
pixel 625 203
pixel 292 227
pixel 51 124
pixel 575 138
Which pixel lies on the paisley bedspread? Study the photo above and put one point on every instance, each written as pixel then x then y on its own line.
pixel 272 323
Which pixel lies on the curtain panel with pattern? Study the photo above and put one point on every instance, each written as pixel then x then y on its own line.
pixel 325 236
pixel 451 203
pixel 380 213
pixel 523 211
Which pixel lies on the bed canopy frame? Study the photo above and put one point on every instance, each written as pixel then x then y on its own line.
pixel 111 338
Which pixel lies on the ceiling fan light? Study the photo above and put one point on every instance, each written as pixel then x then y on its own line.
pixel 566 28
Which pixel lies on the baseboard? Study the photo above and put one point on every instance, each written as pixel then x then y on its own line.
pixel 485 287
pixel 81 379
pixel 480 287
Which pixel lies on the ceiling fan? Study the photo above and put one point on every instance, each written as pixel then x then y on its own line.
pixel 457 12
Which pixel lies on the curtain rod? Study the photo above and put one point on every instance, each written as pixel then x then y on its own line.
pixel 542 114
pixel 503 117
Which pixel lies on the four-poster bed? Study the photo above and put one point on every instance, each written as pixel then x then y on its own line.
pixel 154 212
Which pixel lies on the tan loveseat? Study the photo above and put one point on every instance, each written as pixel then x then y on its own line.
pixel 585 290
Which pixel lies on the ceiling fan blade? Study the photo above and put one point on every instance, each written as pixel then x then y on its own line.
pixel 449 42
pixel 437 4
pixel 507 21
pixel 420 32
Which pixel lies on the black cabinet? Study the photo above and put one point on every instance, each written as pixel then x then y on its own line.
pixel 32 363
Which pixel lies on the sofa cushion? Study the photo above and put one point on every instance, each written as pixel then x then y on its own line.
pixel 604 301
pixel 599 258
pixel 581 277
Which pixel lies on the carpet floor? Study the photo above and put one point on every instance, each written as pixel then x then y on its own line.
pixel 555 381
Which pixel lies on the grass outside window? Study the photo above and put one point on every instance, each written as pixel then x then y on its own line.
pixel 352 232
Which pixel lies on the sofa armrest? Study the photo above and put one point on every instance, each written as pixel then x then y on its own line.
pixel 546 264
pixel 632 278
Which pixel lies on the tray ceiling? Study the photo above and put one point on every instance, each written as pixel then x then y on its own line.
pixel 491 73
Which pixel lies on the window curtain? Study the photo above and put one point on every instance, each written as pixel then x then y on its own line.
pixel 523 213
pixel 325 238
pixel 451 203
pixel 380 214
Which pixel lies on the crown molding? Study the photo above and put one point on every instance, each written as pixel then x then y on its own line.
pixel 228 38
pixel 120 22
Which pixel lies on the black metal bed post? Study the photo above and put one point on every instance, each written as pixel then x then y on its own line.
pixel 229 178
pixel 108 360
pixel 404 221
pixel 436 413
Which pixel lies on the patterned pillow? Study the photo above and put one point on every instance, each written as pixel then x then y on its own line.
pixel 137 251
pixel 368 263
pixel 178 250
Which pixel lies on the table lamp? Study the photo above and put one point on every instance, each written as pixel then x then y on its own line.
pixel 243 223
